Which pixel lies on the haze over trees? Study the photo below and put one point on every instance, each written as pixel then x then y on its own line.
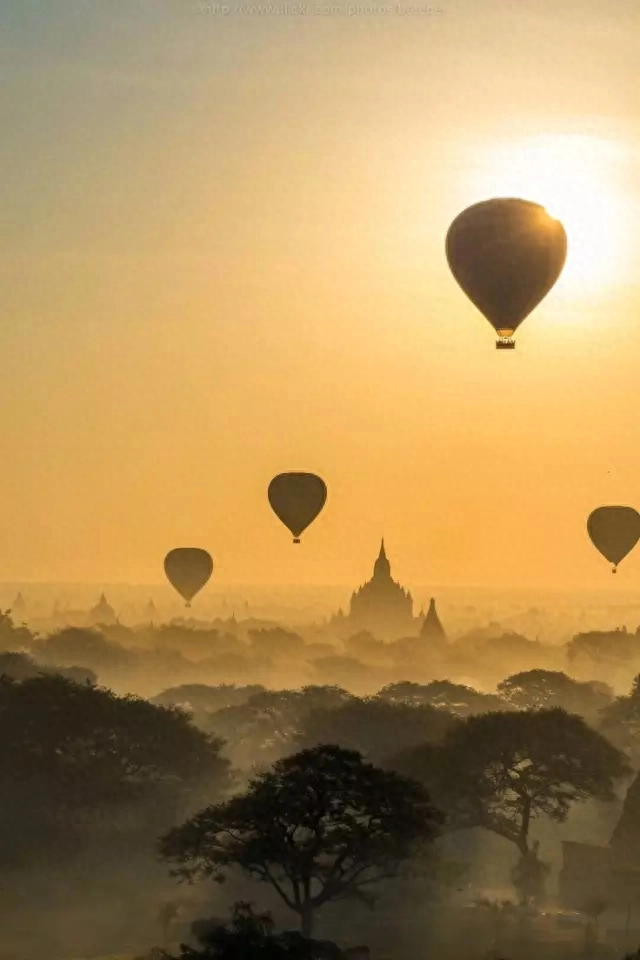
pixel 95 777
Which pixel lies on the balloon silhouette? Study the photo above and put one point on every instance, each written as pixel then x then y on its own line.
pixel 297 499
pixel 187 570
pixel 614 532
pixel 506 254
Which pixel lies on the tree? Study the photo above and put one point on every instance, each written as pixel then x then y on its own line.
pixel 264 728
pixel 201 698
pixel 12 637
pixel 502 770
pixel 73 646
pixel 543 689
pixel 253 935
pixel 606 648
pixel 321 826
pixel 454 697
pixel 620 722
pixel 529 876
pixel 497 650
pixel 76 757
pixel 276 642
pixel 20 666
pixel 363 644
pixel 375 727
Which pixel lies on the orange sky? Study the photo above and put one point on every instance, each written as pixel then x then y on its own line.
pixel 222 257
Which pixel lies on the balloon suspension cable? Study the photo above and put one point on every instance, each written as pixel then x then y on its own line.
pixel 505 343
pixel 296 539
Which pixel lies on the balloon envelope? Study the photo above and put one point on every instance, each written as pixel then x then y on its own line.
pixel 297 499
pixel 506 254
pixel 188 569
pixel 614 531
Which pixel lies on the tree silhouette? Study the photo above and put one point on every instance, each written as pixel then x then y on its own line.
pixel 544 689
pixel 321 826
pixel 74 753
pixel 502 770
pixel 375 727
pixel 457 698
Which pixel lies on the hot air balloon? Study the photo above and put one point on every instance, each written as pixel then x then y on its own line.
pixel 297 499
pixel 506 254
pixel 614 532
pixel 188 569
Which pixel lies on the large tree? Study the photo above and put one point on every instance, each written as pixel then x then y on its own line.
pixel 457 698
pixel 375 727
pixel 76 756
pixel 266 727
pixel 202 699
pixel 21 666
pixel 503 770
pixel 543 689
pixel 606 649
pixel 80 646
pixel 321 826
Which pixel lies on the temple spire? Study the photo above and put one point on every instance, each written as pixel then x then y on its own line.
pixel 382 567
pixel 432 628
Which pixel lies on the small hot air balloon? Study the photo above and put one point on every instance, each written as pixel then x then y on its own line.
pixel 614 532
pixel 188 569
pixel 297 499
pixel 506 254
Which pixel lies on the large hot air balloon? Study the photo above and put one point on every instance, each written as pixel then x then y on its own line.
pixel 297 499
pixel 614 531
pixel 188 569
pixel 506 254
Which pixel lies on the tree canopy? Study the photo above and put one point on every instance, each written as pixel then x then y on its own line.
pixel 322 825
pixel 375 727
pixel 543 689
pixel 457 698
pixel 72 752
pixel 270 722
pixel 502 770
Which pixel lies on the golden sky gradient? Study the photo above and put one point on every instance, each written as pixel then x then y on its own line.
pixel 222 257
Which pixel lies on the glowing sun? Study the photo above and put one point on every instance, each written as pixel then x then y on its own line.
pixel 577 179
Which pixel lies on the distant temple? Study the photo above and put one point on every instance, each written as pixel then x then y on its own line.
pixel 102 613
pixel 432 629
pixel 385 609
pixel 18 608
pixel 150 612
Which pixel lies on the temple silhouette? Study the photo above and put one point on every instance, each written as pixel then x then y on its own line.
pixel 103 613
pixel 385 609
pixel 18 608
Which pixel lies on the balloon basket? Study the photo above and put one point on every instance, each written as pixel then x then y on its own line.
pixel 296 539
pixel 505 343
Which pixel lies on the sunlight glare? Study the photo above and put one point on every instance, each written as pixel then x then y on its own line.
pixel 574 177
